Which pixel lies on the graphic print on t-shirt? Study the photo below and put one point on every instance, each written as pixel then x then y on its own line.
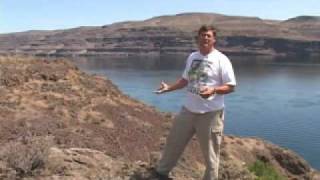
pixel 198 75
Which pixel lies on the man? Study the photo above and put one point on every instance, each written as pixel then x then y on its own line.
pixel 208 76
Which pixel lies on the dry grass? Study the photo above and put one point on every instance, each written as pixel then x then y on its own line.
pixel 28 156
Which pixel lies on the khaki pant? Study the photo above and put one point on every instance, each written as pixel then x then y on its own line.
pixel 208 128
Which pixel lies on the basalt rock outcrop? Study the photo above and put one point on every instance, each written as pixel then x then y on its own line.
pixel 172 35
pixel 57 122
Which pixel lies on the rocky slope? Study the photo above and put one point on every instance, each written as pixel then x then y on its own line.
pixel 57 122
pixel 172 35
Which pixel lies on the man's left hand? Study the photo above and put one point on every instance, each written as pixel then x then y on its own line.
pixel 206 92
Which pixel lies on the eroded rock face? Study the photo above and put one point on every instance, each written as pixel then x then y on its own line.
pixel 172 35
pixel 100 133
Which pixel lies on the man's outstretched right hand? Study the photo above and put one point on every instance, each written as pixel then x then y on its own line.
pixel 164 87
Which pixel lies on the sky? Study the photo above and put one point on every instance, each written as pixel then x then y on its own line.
pixel 23 15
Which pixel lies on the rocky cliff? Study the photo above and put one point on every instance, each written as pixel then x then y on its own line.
pixel 172 35
pixel 57 122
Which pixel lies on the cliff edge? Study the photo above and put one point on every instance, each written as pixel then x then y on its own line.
pixel 57 122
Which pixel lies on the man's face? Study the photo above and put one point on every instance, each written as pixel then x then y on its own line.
pixel 206 40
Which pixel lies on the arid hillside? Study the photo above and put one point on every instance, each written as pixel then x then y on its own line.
pixel 174 34
pixel 57 122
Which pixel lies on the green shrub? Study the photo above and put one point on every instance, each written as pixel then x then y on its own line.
pixel 265 171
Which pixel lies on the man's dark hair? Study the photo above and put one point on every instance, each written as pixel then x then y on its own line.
pixel 205 28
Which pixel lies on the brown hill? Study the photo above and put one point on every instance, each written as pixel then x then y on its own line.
pixel 57 122
pixel 172 35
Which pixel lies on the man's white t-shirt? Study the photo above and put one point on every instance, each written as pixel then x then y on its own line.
pixel 214 69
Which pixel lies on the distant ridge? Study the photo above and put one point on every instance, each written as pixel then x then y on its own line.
pixel 172 34
pixel 302 19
